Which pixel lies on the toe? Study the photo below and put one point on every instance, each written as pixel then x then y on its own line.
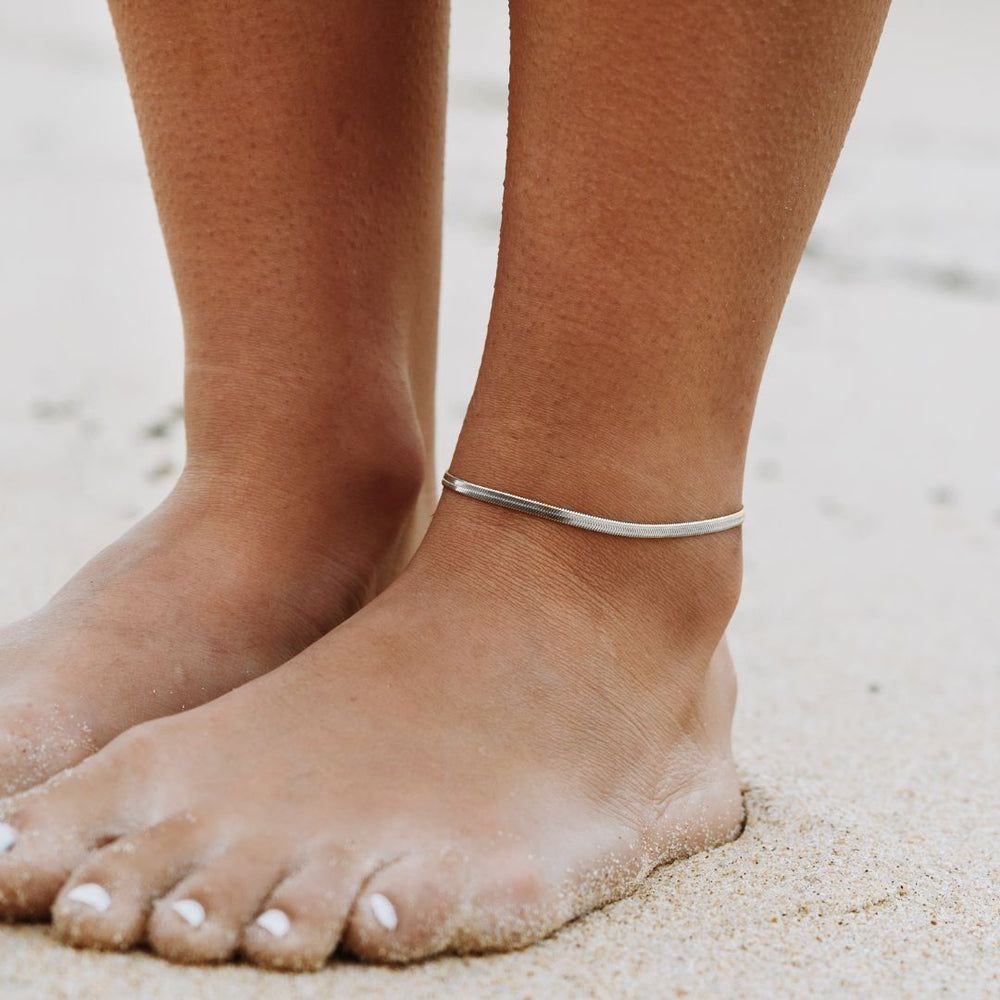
pixel 36 863
pixel 459 901
pixel 106 902
pixel 47 838
pixel 53 828
pixel 203 917
pixel 300 924
pixel 409 909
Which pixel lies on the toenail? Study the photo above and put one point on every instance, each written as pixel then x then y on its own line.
pixel 383 911
pixel 8 837
pixel 90 894
pixel 275 922
pixel 189 910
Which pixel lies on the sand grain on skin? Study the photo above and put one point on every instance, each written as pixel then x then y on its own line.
pixel 868 638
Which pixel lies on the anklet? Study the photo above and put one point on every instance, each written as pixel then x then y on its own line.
pixel 590 522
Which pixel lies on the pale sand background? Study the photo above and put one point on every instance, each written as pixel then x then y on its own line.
pixel 869 632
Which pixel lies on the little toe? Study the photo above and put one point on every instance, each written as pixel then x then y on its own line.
pixel 107 900
pixel 203 917
pixel 300 924
pixel 52 828
pixel 409 909
pixel 33 868
pixel 43 845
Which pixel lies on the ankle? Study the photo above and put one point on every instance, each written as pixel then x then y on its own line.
pixel 360 506
pixel 371 482
pixel 677 593
pixel 662 477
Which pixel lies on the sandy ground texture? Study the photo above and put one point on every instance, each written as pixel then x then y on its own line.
pixel 869 633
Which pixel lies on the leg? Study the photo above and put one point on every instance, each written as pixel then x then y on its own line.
pixel 295 152
pixel 531 717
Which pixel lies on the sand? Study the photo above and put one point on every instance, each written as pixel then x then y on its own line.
pixel 869 632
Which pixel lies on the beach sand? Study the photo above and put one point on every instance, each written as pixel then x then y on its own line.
pixel 868 636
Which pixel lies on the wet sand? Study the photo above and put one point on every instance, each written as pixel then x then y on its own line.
pixel 868 636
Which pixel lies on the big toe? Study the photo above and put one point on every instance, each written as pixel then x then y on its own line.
pixel 410 909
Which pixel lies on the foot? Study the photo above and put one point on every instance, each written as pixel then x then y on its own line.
pixel 519 729
pixel 213 589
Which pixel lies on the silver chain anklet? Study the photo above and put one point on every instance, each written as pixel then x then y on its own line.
pixel 590 522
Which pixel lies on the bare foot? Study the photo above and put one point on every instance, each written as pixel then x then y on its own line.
pixel 213 589
pixel 518 730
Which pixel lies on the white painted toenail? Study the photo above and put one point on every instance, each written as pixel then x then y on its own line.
pixel 189 910
pixel 90 894
pixel 8 837
pixel 275 922
pixel 383 911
